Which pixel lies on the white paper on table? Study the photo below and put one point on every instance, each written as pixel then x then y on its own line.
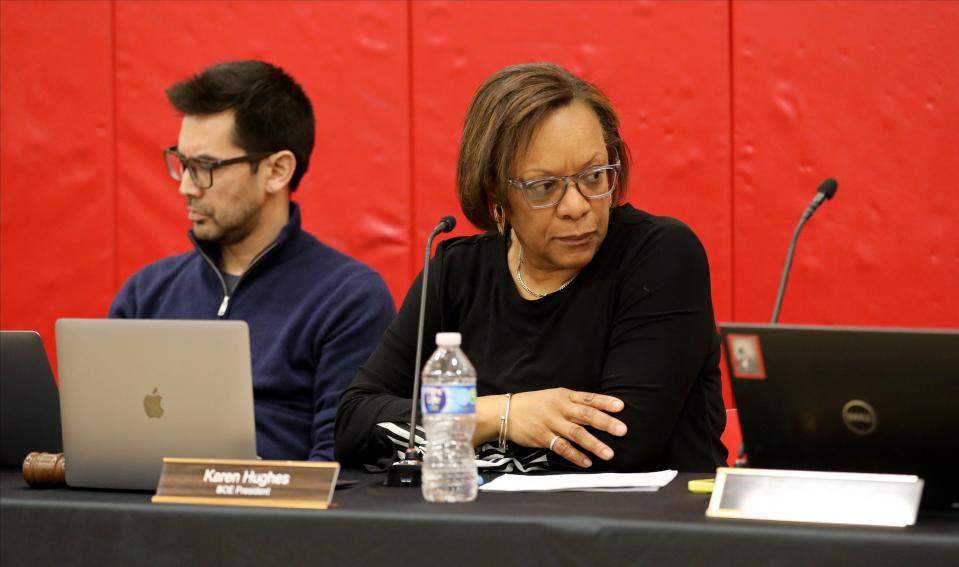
pixel 585 482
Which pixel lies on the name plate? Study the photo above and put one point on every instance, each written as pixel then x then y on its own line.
pixel 226 482
pixel 816 497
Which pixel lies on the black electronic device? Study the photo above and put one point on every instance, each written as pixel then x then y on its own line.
pixel 30 412
pixel 852 399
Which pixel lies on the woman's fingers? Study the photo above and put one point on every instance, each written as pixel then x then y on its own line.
pixel 590 409
pixel 598 401
pixel 579 435
pixel 565 449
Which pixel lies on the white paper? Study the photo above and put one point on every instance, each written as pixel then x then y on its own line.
pixel 583 482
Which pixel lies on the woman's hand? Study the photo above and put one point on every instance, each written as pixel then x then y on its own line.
pixel 556 418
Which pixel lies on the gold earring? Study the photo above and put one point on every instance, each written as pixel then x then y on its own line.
pixel 499 215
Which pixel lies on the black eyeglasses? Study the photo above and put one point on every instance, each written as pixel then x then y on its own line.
pixel 201 171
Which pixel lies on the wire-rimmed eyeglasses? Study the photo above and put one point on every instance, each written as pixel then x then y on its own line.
pixel 595 182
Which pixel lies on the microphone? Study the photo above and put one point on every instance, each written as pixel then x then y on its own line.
pixel 825 192
pixel 408 470
pixel 448 223
pixel 827 189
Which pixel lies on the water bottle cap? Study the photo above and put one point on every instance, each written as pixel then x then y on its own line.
pixel 448 339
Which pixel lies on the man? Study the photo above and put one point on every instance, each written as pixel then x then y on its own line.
pixel 314 314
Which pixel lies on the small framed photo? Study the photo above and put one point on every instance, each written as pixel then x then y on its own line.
pixel 746 355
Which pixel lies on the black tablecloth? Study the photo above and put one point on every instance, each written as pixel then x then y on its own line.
pixel 375 525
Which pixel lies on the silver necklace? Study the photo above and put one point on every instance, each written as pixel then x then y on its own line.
pixel 519 278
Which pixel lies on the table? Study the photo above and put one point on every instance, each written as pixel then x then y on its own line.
pixel 375 525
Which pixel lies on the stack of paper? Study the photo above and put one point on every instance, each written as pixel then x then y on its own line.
pixel 602 482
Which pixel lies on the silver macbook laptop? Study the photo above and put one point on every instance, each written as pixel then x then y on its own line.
pixel 29 403
pixel 850 399
pixel 135 391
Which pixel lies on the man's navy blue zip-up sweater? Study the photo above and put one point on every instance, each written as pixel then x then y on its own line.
pixel 314 314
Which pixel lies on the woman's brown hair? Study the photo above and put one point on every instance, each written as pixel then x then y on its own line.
pixel 499 124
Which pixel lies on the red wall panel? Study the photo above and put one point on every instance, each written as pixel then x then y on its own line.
pixel 57 175
pixel 665 67
pixel 351 57
pixel 867 92
pixel 734 113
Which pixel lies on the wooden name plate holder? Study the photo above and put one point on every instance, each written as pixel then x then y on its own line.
pixel 225 482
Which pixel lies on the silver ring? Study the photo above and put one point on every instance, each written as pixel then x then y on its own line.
pixel 553 442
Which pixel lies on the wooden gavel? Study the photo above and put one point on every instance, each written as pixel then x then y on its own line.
pixel 44 470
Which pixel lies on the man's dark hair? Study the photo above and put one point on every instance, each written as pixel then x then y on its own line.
pixel 272 111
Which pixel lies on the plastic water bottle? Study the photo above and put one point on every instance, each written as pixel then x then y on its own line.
pixel 448 403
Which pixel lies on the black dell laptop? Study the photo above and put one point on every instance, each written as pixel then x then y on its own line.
pixel 850 399
pixel 29 401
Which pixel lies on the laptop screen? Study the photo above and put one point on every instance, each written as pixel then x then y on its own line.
pixel 849 399
pixel 30 412
pixel 135 391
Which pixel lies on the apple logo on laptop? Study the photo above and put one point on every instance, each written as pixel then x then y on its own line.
pixel 151 404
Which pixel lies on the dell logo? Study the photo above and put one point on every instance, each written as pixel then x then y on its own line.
pixel 859 417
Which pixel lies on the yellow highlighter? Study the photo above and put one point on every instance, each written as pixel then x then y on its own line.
pixel 701 486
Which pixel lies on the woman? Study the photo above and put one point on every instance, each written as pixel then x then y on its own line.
pixel 593 316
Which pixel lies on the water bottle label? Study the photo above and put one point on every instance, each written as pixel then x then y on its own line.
pixel 449 399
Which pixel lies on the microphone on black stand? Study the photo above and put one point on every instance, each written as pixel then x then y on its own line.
pixel 825 192
pixel 408 470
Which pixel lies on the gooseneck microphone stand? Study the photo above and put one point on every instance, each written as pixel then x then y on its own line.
pixel 408 470
pixel 825 192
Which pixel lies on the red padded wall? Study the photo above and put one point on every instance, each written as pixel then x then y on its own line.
pixel 734 112
pixel 351 57
pixel 57 175
pixel 665 67
pixel 867 92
